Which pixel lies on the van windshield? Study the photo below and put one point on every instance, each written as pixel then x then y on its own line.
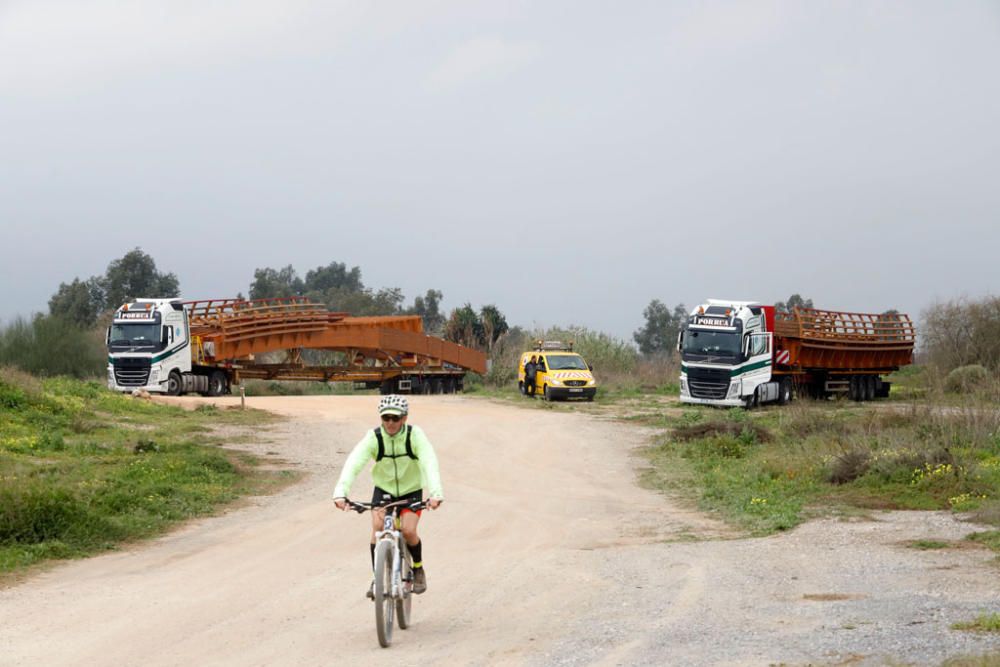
pixel 567 362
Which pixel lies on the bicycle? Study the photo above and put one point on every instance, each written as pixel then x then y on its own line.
pixel 393 569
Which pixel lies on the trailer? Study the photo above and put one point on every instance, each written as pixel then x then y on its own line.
pixel 742 353
pixel 173 346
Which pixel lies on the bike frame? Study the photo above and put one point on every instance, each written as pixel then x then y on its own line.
pixel 400 590
pixel 391 531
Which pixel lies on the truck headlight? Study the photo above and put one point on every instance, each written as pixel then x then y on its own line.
pixel 684 387
pixel 734 389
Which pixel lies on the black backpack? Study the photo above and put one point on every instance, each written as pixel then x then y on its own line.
pixel 381 446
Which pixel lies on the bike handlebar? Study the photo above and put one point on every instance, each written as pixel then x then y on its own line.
pixel 361 508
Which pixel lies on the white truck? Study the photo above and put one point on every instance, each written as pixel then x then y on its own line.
pixel 742 353
pixel 149 348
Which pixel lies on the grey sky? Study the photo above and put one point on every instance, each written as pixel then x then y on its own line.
pixel 566 161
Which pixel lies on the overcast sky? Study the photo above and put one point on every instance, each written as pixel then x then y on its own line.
pixel 566 161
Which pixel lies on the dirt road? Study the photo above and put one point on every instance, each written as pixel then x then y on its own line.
pixel 545 552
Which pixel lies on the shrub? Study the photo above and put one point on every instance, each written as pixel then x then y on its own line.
pixel 963 332
pixel 849 465
pixel 33 514
pixel 749 432
pixel 49 346
pixel 11 397
pixel 966 379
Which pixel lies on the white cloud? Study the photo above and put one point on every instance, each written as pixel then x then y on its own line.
pixel 60 46
pixel 729 26
pixel 481 58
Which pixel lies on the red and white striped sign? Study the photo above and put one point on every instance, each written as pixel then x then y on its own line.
pixel 782 357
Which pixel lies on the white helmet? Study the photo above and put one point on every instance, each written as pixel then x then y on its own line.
pixel 393 405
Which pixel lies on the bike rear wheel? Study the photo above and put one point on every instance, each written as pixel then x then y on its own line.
pixel 384 604
pixel 403 605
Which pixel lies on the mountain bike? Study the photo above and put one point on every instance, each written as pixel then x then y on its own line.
pixel 393 569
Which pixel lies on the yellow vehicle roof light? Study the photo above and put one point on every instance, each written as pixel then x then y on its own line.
pixel 554 346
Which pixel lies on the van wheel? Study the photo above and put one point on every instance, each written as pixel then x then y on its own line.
pixel 545 393
pixel 520 388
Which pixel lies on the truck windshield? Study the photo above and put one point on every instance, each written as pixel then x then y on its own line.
pixel 139 336
pixel 711 344
pixel 566 363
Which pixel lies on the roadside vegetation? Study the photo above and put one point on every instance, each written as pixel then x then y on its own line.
pixel 769 469
pixel 83 470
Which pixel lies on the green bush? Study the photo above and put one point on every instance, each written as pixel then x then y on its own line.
pixel 35 513
pixel 966 379
pixel 49 346
pixel 11 397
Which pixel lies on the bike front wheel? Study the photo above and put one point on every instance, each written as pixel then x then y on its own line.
pixel 384 604
pixel 404 603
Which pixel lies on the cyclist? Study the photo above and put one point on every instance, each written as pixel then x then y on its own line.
pixel 405 464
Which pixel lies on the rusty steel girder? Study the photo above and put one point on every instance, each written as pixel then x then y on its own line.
pixel 846 342
pixel 230 330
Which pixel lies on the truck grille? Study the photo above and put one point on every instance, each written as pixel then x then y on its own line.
pixel 575 383
pixel 131 372
pixel 708 382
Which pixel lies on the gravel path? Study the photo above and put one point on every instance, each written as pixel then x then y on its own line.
pixel 546 552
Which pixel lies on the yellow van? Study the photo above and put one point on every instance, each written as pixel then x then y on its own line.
pixel 560 373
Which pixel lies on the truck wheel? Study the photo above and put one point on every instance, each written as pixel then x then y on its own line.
pixel 174 384
pixel 870 388
pixel 854 389
pixel 217 383
pixel 785 391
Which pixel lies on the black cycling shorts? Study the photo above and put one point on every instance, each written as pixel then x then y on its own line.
pixel 383 497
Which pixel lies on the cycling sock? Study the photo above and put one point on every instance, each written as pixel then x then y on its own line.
pixel 415 550
pixel 373 555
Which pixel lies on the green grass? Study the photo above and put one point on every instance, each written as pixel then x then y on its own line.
pixel 982 623
pixel 928 545
pixel 768 469
pixel 83 470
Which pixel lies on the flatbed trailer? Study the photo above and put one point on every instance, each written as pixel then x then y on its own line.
pixel 831 351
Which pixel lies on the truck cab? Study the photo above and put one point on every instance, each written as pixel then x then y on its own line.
pixel 726 355
pixel 560 373
pixel 150 348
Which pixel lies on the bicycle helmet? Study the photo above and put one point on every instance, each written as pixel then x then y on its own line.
pixel 393 405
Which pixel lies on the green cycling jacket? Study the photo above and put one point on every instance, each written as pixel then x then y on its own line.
pixel 400 475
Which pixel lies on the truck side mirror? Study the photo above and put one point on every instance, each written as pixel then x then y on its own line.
pixel 107 336
pixel 680 340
